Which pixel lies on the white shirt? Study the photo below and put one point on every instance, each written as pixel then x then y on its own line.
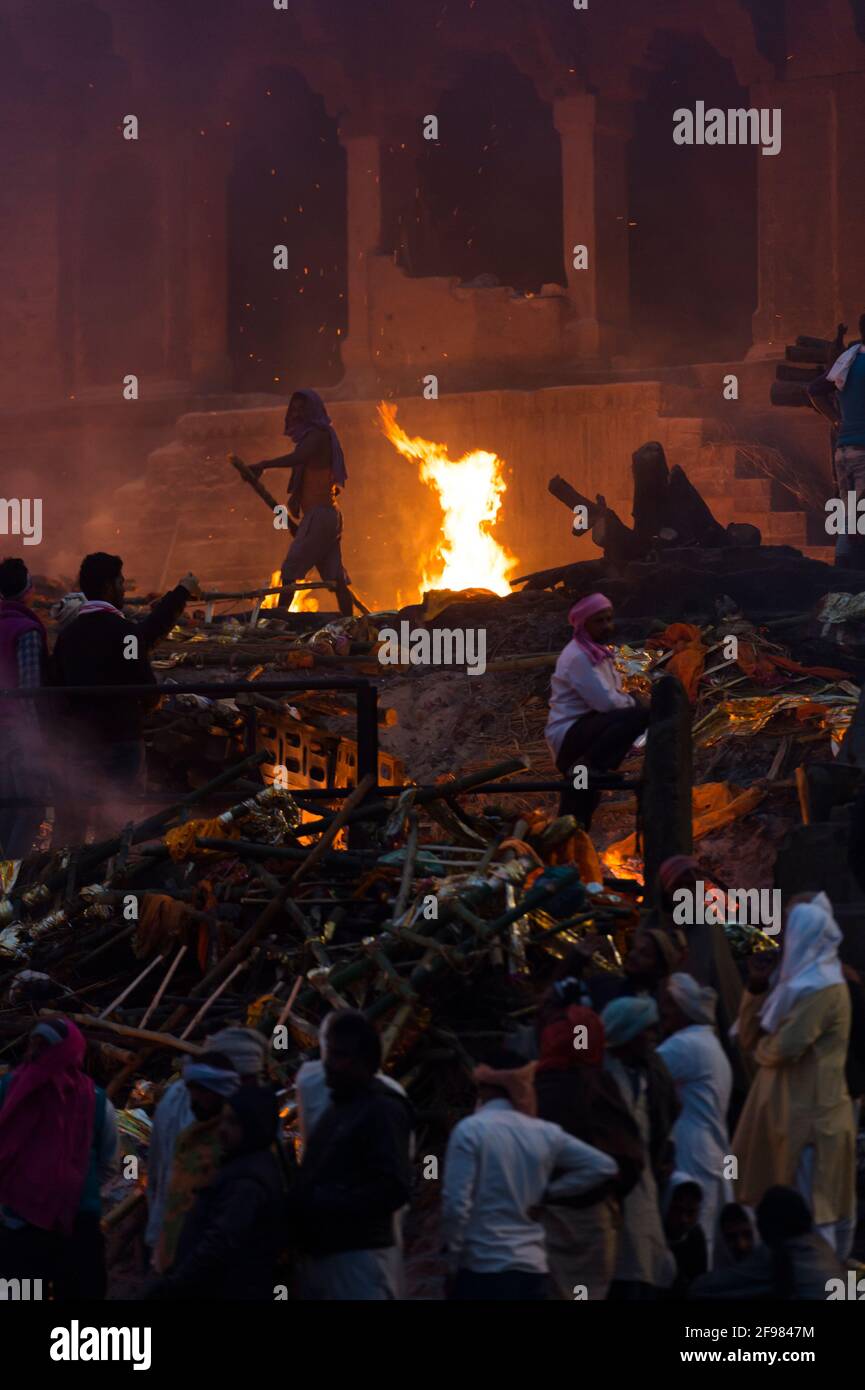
pixel 499 1164
pixel 578 687
pixel 704 1079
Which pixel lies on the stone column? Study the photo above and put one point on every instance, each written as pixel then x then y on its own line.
pixel 797 218
pixel 594 134
pixel 206 174
pixel 363 215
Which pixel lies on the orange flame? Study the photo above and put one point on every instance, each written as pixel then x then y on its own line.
pixel 304 600
pixel 470 491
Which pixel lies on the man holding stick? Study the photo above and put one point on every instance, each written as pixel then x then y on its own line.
pixel 318 475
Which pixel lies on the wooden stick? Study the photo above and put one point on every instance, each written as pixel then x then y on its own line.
pixel 330 834
pixel 241 965
pixel 141 1034
pixel 295 990
pixel 407 869
pixel 154 1003
pixel 214 596
pixel 130 987
pixel 263 923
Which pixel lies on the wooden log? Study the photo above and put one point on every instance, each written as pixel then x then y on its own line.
pixel 123 1030
pixel 665 802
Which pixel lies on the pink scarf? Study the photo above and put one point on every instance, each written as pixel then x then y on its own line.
pixel 46 1132
pixel 586 608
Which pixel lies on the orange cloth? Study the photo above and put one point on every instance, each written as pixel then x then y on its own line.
pixel 713 805
pixel 180 842
pixel 519 1084
pixel 160 923
pixel 765 667
pixel 689 654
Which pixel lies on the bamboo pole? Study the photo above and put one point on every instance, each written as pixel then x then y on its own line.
pixel 154 1003
pixel 125 1031
pixel 115 1003
pixel 212 998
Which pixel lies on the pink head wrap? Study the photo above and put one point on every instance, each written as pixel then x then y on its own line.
pixel 46 1132
pixel 586 608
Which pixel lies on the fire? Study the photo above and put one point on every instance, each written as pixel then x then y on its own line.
pixel 272 600
pixel 620 864
pixel 470 491
pixel 304 600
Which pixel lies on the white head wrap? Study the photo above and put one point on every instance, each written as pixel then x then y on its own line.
pixel 698 1003
pixel 809 960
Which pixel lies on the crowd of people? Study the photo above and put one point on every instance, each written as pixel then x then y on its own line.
pixel 684 1127
pixel 620 1154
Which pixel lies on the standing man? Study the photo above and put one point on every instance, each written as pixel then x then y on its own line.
pixel 318 475
pixel 355 1174
pixel 104 647
pixel 591 719
pixel 644 1265
pixel 23 652
pixel 499 1168
pixel 842 390
pixel 247 1051
pixel 704 1081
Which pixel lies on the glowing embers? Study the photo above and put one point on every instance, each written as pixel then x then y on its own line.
pixel 470 491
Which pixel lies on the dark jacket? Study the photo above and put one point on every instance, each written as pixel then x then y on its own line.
pixel 586 1102
pixel 355 1174
pixel 232 1237
pixel 90 651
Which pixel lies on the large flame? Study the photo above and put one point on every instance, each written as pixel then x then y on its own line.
pixel 470 491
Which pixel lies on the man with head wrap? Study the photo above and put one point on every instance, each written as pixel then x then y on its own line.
pixel 704 1078
pixel 231 1239
pixel 573 1090
pixel 591 720
pixel 318 475
pixel 246 1050
pixel 501 1163
pixel 797 1125
pixel 644 1264
pixel 58 1145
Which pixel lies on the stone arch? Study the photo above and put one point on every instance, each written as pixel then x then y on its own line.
pixel 286 186
pixel 486 197
pixel 692 214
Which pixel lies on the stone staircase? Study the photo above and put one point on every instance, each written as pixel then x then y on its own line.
pixel 737 491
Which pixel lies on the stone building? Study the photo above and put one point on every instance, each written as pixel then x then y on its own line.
pixel 263 125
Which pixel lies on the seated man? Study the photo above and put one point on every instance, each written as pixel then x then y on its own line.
pixel 591 719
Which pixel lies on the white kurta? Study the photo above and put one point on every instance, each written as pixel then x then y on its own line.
pixel 644 1255
pixel 704 1078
